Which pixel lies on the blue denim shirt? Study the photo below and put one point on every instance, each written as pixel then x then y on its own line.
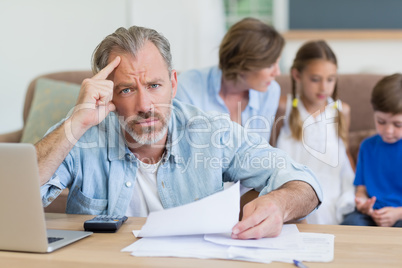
pixel 201 88
pixel 203 151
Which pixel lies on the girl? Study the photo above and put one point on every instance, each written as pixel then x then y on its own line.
pixel 314 129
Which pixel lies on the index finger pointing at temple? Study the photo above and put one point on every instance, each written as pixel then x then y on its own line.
pixel 104 73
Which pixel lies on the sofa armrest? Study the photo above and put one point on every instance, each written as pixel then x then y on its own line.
pixel 11 136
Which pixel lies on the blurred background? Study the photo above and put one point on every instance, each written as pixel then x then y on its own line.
pixel 44 36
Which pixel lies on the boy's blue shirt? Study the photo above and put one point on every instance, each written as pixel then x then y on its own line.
pixel 203 151
pixel 378 170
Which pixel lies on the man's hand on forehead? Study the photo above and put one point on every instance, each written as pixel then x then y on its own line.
pixel 95 99
pixel 105 72
pixel 103 75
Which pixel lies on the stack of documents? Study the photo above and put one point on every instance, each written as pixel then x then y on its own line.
pixel 203 228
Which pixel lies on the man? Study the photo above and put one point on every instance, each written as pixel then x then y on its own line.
pixel 153 152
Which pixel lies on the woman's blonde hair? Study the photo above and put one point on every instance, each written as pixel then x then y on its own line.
pixel 313 50
pixel 249 45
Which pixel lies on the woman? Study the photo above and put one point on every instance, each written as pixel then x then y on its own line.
pixel 243 84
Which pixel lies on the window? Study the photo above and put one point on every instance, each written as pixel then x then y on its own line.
pixel 236 10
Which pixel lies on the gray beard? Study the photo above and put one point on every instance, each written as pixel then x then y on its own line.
pixel 149 135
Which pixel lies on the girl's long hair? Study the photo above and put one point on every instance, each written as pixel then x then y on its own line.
pixel 313 50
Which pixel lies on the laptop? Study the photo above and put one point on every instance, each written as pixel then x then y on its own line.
pixel 22 225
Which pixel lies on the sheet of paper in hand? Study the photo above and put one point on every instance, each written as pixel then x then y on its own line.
pixel 217 213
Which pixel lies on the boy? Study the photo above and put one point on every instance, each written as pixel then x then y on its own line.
pixel 378 179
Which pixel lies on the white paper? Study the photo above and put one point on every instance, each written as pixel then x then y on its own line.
pixel 191 246
pixel 315 248
pixel 288 239
pixel 217 213
pixel 202 229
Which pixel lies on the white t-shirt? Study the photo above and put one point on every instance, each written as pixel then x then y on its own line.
pixel 145 196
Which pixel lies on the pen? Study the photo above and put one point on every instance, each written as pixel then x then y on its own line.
pixel 299 264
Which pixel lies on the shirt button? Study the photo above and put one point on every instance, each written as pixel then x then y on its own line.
pixel 128 184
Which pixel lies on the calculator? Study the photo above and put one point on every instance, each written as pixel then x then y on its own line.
pixel 104 223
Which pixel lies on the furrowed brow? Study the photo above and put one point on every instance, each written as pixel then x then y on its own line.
pixel 124 85
pixel 156 81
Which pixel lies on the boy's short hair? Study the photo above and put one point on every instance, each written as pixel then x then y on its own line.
pixel 387 94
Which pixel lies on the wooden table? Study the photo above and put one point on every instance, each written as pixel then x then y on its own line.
pixel 354 247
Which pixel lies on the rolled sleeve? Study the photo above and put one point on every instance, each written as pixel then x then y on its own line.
pixel 61 179
pixel 268 168
pixel 51 190
pixel 294 172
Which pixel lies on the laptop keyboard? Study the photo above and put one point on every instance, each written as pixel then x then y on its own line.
pixel 53 239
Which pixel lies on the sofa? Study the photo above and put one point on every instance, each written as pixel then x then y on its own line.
pixel 355 89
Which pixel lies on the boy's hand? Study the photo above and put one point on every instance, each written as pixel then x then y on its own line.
pixel 386 216
pixel 365 205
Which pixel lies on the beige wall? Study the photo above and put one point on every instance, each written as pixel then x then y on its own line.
pixel 382 56
pixel 45 36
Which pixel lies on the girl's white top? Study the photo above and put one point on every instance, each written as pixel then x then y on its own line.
pixel 324 153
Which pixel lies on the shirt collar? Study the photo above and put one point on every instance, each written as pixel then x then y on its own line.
pixel 215 83
pixel 215 80
pixel 175 132
pixel 254 99
pixel 114 137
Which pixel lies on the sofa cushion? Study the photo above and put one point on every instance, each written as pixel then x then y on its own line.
pixel 51 102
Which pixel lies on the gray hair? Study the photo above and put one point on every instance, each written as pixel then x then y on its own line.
pixel 130 40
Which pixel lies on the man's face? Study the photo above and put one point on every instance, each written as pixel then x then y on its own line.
pixel 143 93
